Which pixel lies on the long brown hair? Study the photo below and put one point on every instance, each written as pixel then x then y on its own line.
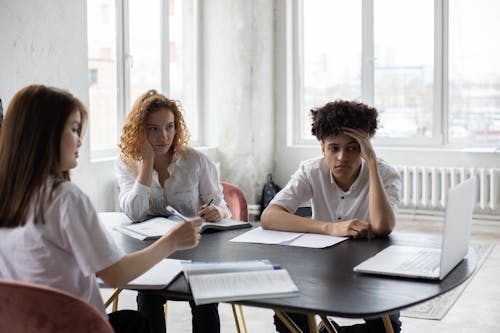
pixel 30 142
pixel 133 128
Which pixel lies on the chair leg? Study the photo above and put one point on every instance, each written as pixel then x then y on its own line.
pixel 242 316
pixel 115 304
pixel 236 321
pixel 387 324
pixel 328 325
pixel 113 299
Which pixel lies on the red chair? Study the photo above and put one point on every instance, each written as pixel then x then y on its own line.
pixel 236 202
pixel 29 308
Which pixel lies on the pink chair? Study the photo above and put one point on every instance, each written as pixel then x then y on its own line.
pixel 236 201
pixel 30 308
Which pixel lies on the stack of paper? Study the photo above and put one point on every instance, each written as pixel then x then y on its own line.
pixel 240 280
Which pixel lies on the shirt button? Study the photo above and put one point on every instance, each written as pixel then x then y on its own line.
pixel 339 218
pixel 342 197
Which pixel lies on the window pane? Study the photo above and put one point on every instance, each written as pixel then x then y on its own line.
pixel 404 67
pixel 182 43
pixel 474 72
pixel 144 45
pixel 102 73
pixel 332 54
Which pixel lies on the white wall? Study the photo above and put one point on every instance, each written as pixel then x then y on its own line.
pixel 44 42
pixel 238 106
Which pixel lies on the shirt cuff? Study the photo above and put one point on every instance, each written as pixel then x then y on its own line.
pixel 142 190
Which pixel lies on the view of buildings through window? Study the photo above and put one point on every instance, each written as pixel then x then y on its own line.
pixel 103 84
pixel 402 84
pixel 403 68
pixel 474 72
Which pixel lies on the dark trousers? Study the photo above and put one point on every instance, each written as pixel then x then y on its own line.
pixel 205 317
pixel 128 321
pixel 370 325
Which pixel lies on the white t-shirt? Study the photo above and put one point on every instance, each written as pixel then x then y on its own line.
pixel 314 181
pixel 193 181
pixel 63 253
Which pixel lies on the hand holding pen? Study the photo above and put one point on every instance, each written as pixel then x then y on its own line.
pixel 211 212
pixel 187 234
pixel 175 212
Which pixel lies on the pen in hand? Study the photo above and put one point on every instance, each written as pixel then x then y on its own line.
pixel 209 203
pixel 173 211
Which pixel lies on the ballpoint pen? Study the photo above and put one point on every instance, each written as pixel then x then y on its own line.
pixel 174 211
pixel 209 203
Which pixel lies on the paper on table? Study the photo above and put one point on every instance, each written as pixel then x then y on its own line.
pixel 316 240
pixel 158 277
pixel 259 235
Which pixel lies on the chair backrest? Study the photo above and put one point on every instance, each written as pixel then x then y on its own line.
pixel 27 307
pixel 236 201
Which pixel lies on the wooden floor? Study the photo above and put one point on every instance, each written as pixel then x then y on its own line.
pixel 477 310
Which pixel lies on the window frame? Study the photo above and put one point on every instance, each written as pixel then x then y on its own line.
pixel 124 61
pixel 295 68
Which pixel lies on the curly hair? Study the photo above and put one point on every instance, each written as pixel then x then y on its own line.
pixel 133 134
pixel 333 116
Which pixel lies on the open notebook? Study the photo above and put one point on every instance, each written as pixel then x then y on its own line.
pixel 431 263
pixel 212 282
pixel 156 227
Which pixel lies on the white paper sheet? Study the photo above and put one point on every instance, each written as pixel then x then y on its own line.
pixel 262 236
pixel 259 235
pixel 158 277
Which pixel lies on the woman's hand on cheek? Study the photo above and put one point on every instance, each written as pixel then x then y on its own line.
pixel 147 150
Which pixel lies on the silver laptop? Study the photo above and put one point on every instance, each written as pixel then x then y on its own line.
pixel 431 263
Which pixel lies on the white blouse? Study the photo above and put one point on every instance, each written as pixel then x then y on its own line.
pixel 66 251
pixel 193 181
pixel 314 182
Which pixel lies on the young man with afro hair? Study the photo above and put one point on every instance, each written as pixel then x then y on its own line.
pixel 352 192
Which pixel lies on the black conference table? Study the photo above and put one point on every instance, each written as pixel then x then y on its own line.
pixel 325 278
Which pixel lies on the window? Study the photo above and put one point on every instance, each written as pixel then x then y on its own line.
pixel 474 71
pixel 328 57
pixel 103 103
pixel 134 46
pixel 431 68
pixel 403 67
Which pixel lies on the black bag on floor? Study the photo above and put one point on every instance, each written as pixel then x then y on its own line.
pixel 269 190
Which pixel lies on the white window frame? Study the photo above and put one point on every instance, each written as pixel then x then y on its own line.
pixel 294 28
pixel 124 61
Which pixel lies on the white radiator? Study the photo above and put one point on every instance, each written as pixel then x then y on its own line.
pixel 427 187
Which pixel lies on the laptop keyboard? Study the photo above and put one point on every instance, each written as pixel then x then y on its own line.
pixel 423 261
